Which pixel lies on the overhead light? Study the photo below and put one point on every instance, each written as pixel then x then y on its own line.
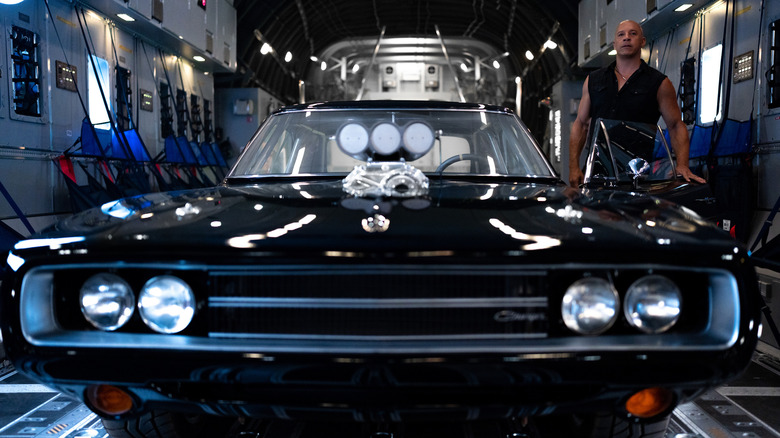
pixel 10 2
pixel 517 79
pixel 198 58
pixel 683 7
pixel 496 64
pixel 528 55
pixel 355 68
pixel 288 57
pixel 323 66
pixel 122 16
pixel 612 52
pixel 265 49
pixel 464 67
pixel 313 58
pixel 550 44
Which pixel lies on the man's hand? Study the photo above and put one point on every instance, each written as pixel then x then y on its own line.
pixel 576 177
pixel 687 175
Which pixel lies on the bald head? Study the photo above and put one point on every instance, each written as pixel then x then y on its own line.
pixel 630 24
pixel 629 39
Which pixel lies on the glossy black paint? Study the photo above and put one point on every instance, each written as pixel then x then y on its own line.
pixel 468 222
pixel 489 377
pixel 338 218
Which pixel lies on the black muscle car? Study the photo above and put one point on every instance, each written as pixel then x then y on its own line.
pixel 384 269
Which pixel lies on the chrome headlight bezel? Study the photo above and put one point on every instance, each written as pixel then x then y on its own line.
pixel 166 304
pixel 590 306
pixel 652 304
pixel 107 301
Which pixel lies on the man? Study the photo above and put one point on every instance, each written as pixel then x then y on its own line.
pixel 629 89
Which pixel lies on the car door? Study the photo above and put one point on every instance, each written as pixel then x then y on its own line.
pixel 636 156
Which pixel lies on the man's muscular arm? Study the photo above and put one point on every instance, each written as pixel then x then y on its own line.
pixel 579 132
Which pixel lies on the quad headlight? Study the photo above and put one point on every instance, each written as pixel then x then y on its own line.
pixel 590 306
pixel 107 301
pixel 166 304
pixel 652 304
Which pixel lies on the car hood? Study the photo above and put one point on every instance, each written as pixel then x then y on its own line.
pixel 319 216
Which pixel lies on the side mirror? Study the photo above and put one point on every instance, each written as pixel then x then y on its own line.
pixel 638 168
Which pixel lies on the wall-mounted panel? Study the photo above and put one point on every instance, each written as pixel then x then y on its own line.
pixel 628 10
pixel 601 22
pixel 211 27
pixel 663 3
pixel 30 52
pixel 143 7
pixel 67 112
pixel 744 88
pixel 225 36
pixel 187 21
pixel 607 15
pixel 60 66
pixel 610 17
pixel 25 67
pixel 587 30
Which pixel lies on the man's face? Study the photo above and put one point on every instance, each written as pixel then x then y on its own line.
pixel 629 39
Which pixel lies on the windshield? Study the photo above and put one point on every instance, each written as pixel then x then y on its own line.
pixel 434 141
pixel 617 142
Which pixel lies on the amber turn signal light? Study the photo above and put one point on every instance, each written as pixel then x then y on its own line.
pixel 109 399
pixel 649 402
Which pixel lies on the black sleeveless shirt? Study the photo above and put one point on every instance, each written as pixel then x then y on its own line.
pixel 636 101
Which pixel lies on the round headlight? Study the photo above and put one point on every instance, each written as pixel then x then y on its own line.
pixel 590 306
pixel 107 301
pixel 166 304
pixel 652 304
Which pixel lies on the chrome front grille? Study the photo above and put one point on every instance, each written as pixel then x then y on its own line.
pixel 381 303
pixel 263 310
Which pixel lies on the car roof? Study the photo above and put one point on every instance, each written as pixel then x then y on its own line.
pixel 392 105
